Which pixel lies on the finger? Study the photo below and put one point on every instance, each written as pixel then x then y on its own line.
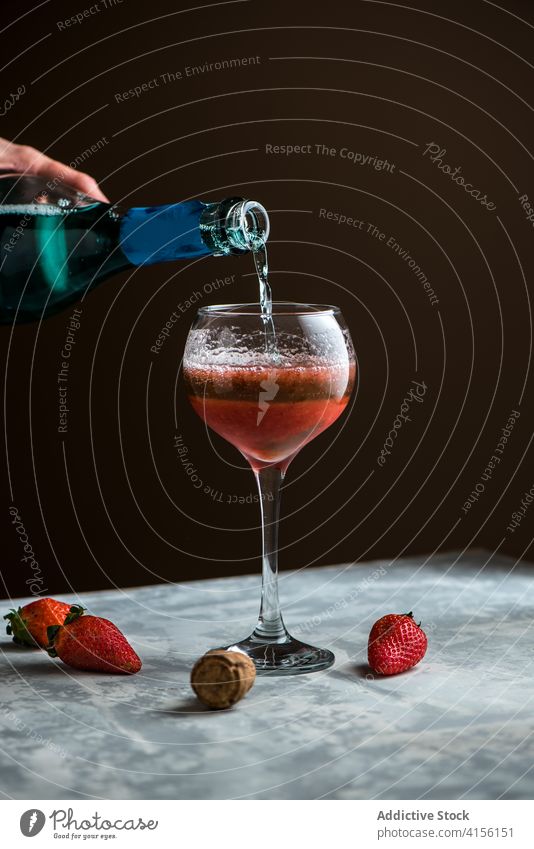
pixel 8 158
pixel 84 183
pixel 33 162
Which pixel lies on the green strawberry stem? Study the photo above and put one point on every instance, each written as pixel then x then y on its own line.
pixel 74 613
pixel 17 628
pixel 410 615
pixel 51 633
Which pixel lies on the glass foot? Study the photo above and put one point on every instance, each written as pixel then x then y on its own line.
pixel 286 656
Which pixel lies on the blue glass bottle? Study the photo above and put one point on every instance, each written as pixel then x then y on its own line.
pixel 57 243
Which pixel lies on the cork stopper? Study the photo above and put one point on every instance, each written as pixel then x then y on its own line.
pixel 221 678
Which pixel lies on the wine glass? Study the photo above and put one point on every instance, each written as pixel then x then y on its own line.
pixel 269 386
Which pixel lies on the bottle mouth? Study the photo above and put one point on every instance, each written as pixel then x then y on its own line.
pixel 247 224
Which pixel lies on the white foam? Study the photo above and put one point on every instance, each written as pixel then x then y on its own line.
pixel 224 348
pixel 30 209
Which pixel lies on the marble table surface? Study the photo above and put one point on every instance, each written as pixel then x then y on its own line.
pixel 460 725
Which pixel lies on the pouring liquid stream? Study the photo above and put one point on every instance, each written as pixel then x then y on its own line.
pixel 266 302
pixel 262 270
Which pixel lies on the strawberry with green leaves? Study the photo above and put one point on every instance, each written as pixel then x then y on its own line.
pixel 92 643
pixel 28 625
pixel 396 643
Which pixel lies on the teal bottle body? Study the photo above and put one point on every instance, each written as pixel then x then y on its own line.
pixel 53 253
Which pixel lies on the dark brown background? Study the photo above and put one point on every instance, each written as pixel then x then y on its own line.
pixel 109 503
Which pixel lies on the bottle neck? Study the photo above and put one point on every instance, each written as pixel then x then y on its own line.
pixel 192 229
pixel 151 234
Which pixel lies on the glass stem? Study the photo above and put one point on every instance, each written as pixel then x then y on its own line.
pixel 270 625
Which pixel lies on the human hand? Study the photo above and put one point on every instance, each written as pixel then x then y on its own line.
pixel 27 160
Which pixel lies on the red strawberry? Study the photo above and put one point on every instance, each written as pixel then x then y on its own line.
pixel 28 624
pixel 396 644
pixel 89 642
